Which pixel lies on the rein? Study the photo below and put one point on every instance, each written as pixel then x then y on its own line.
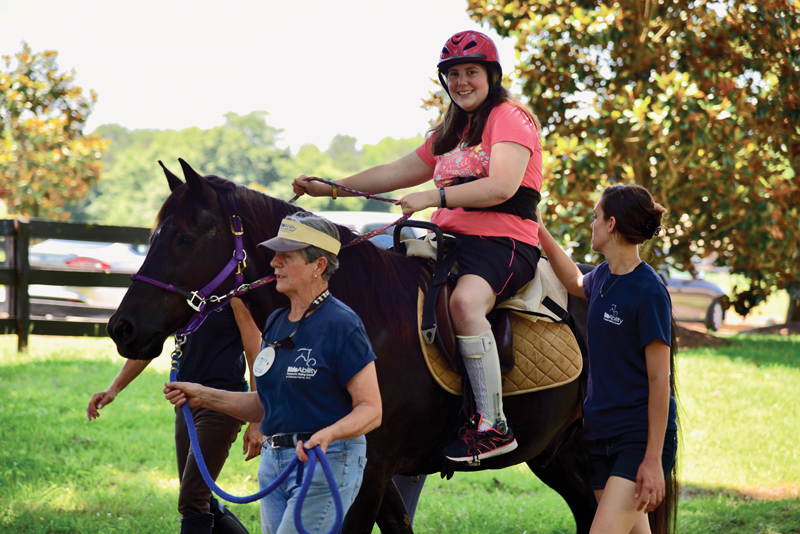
pixel 358 193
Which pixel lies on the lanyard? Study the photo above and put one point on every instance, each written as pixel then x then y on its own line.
pixel 287 343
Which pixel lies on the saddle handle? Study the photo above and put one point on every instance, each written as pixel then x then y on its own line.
pixel 426 226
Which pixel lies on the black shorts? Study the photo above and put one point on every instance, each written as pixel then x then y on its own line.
pixel 505 263
pixel 621 456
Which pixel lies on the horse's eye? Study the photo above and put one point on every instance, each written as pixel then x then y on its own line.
pixel 185 240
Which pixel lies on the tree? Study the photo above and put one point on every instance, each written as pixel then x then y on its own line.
pixel 133 187
pixel 45 158
pixel 697 101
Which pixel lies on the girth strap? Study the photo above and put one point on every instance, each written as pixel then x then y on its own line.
pixel 439 278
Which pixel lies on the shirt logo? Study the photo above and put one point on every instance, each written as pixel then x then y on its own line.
pixel 611 316
pixel 303 373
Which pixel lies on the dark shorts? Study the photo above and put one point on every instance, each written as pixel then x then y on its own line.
pixel 621 456
pixel 505 263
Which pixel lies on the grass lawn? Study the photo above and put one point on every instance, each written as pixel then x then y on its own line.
pixel 60 473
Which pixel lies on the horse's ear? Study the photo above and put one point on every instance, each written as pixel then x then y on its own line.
pixel 192 178
pixel 174 181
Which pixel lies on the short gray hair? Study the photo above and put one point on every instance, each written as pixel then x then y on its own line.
pixel 312 253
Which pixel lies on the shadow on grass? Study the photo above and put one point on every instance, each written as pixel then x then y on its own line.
pixel 739 511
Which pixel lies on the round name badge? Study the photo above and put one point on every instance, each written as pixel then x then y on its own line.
pixel 264 361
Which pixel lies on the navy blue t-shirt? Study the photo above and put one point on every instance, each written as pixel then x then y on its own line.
pixel 635 309
pixel 213 354
pixel 305 390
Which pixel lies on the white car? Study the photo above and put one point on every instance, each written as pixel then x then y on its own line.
pixel 362 222
pixel 61 254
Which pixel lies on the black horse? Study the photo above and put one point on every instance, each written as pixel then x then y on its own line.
pixel 191 243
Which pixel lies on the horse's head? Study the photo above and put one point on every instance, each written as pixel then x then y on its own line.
pixel 192 242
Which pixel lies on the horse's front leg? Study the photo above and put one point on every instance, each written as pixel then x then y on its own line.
pixel 362 515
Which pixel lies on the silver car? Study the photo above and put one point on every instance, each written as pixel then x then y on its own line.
pixel 695 299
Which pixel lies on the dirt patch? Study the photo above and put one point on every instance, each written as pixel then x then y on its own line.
pixel 693 335
pixel 781 329
pixel 690 336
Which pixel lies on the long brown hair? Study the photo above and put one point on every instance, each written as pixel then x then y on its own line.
pixel 450 129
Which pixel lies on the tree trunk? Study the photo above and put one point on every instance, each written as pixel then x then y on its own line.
pixel 793 313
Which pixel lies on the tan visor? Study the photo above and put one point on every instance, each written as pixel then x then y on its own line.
pixel 293 235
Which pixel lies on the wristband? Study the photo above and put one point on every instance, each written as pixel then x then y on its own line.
pixel 444 199
pixel 334 192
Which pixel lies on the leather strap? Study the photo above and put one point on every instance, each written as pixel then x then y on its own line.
pixel 277 441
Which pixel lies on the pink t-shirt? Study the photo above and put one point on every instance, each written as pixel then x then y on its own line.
pixel 506 123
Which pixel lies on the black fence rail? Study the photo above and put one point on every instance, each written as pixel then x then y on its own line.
pixel 17 275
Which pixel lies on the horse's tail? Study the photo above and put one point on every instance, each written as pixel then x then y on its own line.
pixel 664 519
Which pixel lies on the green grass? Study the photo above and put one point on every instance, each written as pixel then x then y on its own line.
pixel 60 473
pixel 742 398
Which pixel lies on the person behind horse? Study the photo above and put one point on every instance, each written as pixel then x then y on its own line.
pixel 629 412
pixel 315 377
pixel 212 356
pixel 485 160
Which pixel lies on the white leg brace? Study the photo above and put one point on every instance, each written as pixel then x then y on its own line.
pixel 483 367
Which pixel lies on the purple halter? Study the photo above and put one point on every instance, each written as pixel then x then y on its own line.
pixel 203 302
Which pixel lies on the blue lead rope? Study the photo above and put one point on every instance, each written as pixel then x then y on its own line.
pixel 313 455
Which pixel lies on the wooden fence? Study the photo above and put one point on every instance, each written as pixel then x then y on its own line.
pixel 17 275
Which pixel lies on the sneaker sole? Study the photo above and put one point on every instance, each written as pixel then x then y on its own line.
pixel 495 452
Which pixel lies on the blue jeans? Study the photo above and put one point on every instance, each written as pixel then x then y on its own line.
pixel 347 459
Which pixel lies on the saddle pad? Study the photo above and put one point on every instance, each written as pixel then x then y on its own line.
pixel 530 297
pixel 546 355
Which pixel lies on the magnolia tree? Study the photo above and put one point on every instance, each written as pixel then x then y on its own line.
pixel 697 101
pixel 45 159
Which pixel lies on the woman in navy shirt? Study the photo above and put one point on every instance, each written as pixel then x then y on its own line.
pixel 315 377
pixel 629 412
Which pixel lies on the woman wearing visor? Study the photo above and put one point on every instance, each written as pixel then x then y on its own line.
pixel 315 377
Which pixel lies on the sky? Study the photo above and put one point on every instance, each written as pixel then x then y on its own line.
pixel 318 67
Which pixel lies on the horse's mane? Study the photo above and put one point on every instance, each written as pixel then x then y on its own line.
pixel 373 282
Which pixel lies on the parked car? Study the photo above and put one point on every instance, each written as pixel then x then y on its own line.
pixel 61 254
pixel 695 299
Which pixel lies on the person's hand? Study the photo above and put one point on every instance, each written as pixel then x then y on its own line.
pixel 98 400
pixel 302 186
pixel 252 441
pixel 179 393
pixel 650 487
pixel 321 438
pixel 414 202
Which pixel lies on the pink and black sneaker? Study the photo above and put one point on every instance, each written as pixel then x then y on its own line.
pixel 474 444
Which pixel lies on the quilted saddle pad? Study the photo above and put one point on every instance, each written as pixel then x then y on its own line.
pixel 546 355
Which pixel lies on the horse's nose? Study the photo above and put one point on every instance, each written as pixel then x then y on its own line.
pixel 120 330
